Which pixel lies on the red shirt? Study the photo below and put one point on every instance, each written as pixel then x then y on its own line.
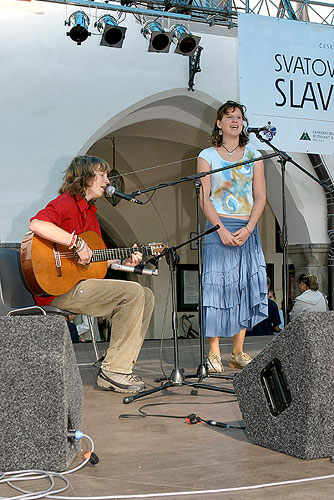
pixel 71 215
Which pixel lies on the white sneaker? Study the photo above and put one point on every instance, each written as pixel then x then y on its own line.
pixel 239 360
pixel 119 382
pixel 215 364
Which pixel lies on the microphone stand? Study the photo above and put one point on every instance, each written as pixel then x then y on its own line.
pixel 202 369
pixel 177 377
pixel 194 177
pixel 283 159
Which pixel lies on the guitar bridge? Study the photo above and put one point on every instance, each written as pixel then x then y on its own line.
pixel 57 258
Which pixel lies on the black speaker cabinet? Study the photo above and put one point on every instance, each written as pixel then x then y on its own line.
pixel 286 394
pixel 40 394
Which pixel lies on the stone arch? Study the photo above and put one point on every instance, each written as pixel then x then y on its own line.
pixel 177 117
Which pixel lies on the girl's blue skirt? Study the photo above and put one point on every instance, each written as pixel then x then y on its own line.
pixel 235 294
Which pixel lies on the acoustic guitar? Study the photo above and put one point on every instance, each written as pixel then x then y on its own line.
pixel 52 269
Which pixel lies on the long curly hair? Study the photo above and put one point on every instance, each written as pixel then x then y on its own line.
pixel 217 139
pixel 80 173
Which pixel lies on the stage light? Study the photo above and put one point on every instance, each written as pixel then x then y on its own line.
pixel 112 34
pixel 186 42
pixel 160 40
pixel 79 22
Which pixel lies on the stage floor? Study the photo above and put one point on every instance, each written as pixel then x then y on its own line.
pixel 155 455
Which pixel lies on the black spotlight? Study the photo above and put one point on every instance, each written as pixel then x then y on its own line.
pixel 160 39
pixel 112 34
pixel 79 30
pixel 186 42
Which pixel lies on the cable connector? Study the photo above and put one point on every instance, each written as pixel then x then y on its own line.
pixel 193 419
pixel 94 459
pixel 218 424
pixel 75 435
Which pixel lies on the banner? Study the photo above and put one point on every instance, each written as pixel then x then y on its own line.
pixel 286 71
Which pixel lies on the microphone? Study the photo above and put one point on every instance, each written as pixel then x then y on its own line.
pixel 110 190
pixel 133 269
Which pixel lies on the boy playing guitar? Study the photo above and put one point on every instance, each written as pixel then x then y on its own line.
pixel 61 223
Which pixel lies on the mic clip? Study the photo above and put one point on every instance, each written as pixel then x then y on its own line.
pixel 268 132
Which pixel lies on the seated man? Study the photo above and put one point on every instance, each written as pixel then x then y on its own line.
pixel 128 303
pixel 270 325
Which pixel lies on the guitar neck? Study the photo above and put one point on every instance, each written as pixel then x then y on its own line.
pixel 119 253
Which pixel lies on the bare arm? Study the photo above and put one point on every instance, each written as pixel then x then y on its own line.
pixel 51 232
pixel 259 196
pixel 210 212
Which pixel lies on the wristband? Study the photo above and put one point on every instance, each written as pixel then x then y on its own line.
pixel 250 232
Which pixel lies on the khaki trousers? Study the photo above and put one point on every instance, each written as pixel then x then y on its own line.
pixel 130 307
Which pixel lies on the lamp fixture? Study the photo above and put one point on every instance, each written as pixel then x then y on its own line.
pixel 160 39
pixel 115 178
pixel 79 30
pixel 186 41
pixel 112 34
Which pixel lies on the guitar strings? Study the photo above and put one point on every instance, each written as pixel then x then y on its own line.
pixel 125 252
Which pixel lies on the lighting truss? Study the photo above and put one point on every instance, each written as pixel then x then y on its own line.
pixel 219 12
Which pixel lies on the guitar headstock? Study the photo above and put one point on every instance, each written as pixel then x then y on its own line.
pixel 156 248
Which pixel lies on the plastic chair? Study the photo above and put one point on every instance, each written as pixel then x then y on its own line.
pixel 16 298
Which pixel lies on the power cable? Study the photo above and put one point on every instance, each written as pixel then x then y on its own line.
pixel 45 493
pixel 11 477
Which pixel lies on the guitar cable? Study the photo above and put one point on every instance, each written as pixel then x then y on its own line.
pixel 192 418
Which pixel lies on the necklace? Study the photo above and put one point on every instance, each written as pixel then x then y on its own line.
pixel 230 152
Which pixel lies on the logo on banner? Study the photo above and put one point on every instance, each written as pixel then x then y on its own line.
pixel 305 136
pixel 317 136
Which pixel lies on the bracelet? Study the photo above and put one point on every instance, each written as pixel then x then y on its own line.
pixel 73 240
pixel 79 245
pixel 250 232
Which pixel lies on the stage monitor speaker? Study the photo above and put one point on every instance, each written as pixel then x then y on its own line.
pixel 286 394
pixel 40 394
